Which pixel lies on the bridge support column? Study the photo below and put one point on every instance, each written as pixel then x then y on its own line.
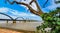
pixel 14 21
pixel 7 21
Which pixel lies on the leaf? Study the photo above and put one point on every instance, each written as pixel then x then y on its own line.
pixel 58 23
pixel 54 23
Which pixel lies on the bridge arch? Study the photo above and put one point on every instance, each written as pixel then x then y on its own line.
pixel 19 17
pixel 7 15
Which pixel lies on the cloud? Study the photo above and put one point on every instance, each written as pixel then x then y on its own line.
pixel 33 5
pixel 3 9
pixel 53 6
pixel 4 17
pixel 24 1
pixel 24 6
pixel 15 13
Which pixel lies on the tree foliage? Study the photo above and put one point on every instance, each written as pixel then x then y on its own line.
pixel 51 20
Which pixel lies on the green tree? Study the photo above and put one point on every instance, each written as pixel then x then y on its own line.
pixel 51 20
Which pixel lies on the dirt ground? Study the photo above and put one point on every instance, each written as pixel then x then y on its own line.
pixel 8 31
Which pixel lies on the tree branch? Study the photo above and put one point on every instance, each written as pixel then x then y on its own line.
pixel 39 9
pixel 36 5
pixel 32 2
pixel 11 2
pixel 45 3
pixel 30 8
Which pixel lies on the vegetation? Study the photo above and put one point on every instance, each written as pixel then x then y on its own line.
pixel 51 22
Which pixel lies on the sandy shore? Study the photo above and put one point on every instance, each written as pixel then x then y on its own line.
pixel 2 30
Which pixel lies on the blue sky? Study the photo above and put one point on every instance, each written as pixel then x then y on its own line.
pixel 18 9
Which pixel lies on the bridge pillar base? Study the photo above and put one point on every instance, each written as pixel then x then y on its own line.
pixel 7 21
pixel 14 22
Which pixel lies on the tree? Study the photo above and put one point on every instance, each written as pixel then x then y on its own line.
pixel 51 22
pixel 38 12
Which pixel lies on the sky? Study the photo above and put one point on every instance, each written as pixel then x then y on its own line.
pixel 16 10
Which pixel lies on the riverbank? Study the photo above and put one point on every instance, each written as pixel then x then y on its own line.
pixel 26 27
pixel 4 30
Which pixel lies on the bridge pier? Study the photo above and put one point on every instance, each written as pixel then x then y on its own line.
pixel 7 21
pixel 14 21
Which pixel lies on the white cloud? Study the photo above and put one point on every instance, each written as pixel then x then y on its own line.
pixel 27 1
pixel 14 14
pixel 52 2
pixel 33 5
pixel 4 17
pixel 53 6
pixel 25 6
pixel 24 1
pixel 3 9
